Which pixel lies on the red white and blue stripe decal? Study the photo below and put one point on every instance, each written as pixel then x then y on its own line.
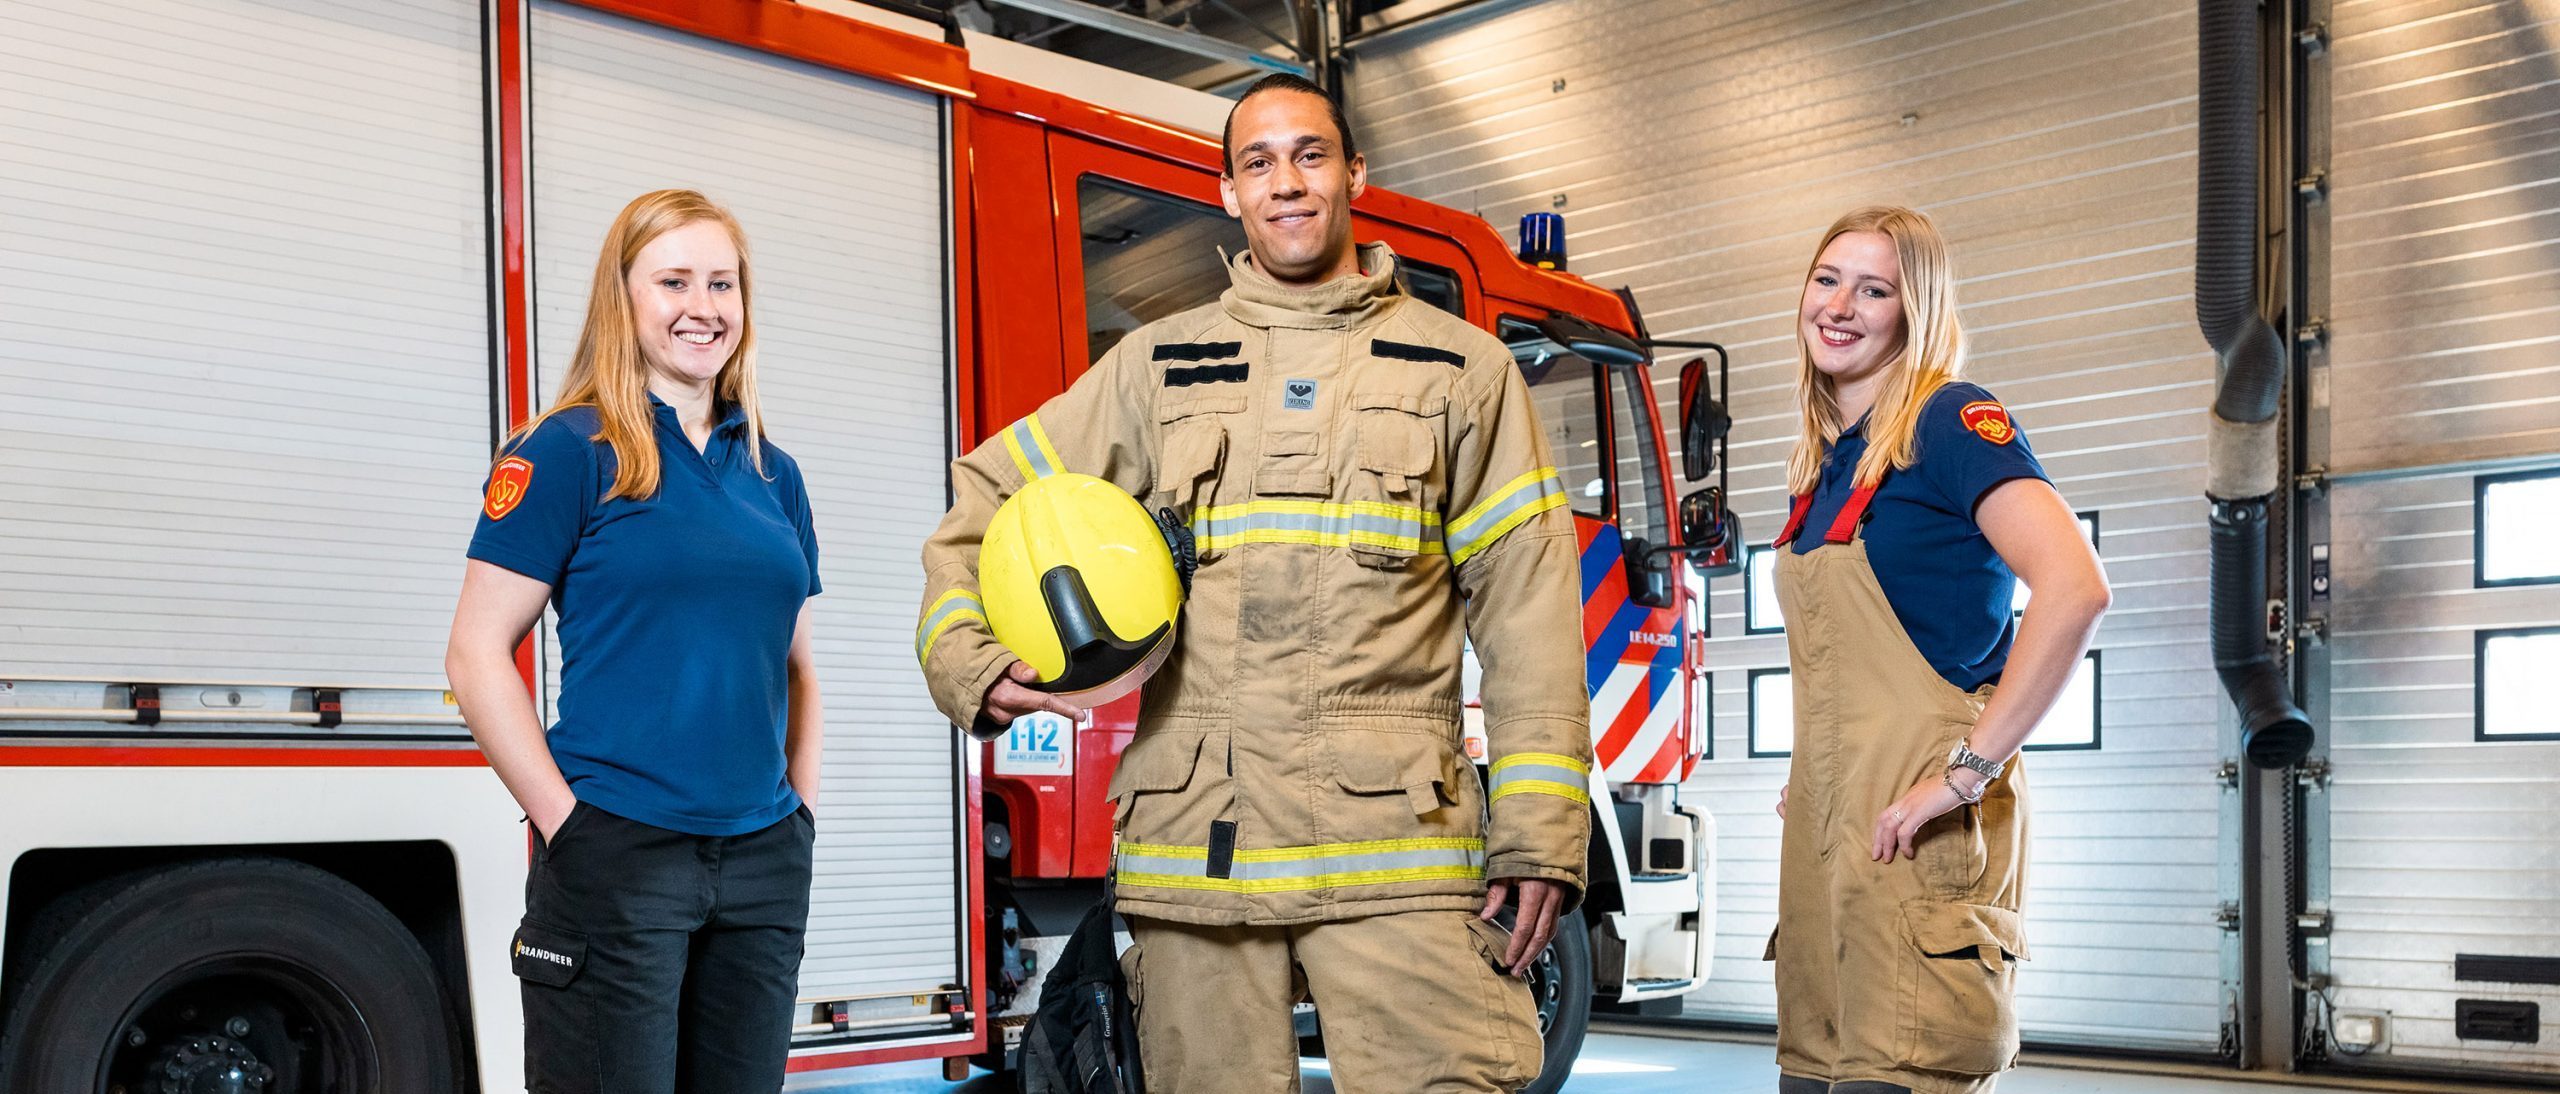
pixel 1635 654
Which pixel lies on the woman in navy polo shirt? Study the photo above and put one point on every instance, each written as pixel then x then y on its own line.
pixel 1917 507
pixel 661 944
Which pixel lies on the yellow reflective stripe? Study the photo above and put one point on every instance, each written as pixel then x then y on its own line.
pixel 1363 847
pixel 954 606
pixel 1296 869
pixel 1319 524
pixel 1048 452
pixel 1323 508
pixel 1540 786
pixel 1505 509
pixel 1307 851
pixel 1013 444
pixel 1549 759
pixel 1032 453
pixel 1302 884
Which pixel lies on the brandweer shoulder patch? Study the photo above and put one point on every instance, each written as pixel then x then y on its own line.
pixel 1989 421
pixel 507 485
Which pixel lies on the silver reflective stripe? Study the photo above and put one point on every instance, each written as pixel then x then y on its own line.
pixel 1481 527
pixel 1323 526
pixel 1369 862
pixel 1032 452
pixel 1537 772
pixel 952 605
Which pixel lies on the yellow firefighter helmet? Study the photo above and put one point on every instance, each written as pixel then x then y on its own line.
pixel 1083 586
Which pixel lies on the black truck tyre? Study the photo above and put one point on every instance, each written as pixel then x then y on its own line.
pixel 257 974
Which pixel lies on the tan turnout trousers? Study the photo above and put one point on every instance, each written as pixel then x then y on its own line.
pixel 1410 1004
pixel 1905 972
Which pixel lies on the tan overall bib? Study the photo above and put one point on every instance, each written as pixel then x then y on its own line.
pixel 1901 973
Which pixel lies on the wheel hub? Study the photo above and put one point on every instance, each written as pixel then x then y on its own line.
pixel 208 1065
pixel 1546 989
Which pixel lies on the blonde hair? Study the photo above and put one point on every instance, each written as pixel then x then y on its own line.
pixel 609 372
pixel 1931 353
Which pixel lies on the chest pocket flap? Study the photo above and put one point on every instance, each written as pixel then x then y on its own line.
pixel 1397 452
pixel 1158 762
pixel 1194 446
pixel 1419 766
pixel 1396 442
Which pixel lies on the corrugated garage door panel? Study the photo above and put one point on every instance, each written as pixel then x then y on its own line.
pixel 838 182
pixel 2446 254
pixel 2438 844
pixel 247 374
pixel 2445 290
pixel 1700 150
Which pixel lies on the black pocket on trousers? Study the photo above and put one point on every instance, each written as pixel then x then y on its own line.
pixel 547 955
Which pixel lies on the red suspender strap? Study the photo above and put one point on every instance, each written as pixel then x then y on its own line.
pixel 1845 528
pixel 1795 521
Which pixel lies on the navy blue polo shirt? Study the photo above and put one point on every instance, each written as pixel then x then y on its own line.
pixel 1951 591
pixel 675 615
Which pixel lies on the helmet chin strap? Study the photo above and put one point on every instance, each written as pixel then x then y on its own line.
pixel 1178 539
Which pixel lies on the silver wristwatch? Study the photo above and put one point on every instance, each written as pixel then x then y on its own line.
pixel 1963 755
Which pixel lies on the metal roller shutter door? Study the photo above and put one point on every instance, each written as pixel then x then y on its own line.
pixel 2445 268
pixel 2055 143
pixel 247 329
pixel 839 183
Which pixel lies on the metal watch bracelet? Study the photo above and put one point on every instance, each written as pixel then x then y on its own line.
pixel 1963 755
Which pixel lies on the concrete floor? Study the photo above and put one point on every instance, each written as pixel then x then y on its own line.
pixel 1616 1062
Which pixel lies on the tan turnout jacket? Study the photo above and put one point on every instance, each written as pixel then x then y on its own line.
pixel 1368 485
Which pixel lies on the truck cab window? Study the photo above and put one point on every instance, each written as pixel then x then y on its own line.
pixel 1638 471
pixel 1146 256
pixel 1566 389
pixel 1433 285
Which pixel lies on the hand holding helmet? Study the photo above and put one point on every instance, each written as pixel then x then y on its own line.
pixel 1084 587
pixel 1014 694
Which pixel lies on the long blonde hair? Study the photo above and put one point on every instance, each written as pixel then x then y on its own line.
pixel 608 371
pixel 1932 353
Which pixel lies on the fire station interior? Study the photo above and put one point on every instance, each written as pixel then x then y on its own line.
pixel 2296 815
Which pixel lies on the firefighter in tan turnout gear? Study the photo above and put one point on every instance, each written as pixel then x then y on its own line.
pixel 1368 486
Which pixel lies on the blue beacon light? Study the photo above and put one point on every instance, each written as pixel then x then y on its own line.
pixel 1542 240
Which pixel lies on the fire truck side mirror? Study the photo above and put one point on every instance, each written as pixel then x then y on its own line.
pixel 1712 534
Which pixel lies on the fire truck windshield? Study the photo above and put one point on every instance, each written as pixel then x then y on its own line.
pixel 1611 468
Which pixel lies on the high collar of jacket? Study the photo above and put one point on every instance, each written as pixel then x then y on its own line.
pixel 1256 300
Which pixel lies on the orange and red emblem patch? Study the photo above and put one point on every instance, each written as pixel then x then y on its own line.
pixel 507 484
pixel 1989 421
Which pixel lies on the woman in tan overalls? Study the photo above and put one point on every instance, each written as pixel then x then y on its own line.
pixel 1917 507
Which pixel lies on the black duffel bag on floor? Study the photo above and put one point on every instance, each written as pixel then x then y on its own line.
pixel 1083 1037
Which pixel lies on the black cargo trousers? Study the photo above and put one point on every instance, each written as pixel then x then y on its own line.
pixel 657 962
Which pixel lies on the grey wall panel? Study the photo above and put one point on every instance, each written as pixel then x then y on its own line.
pixel 2446 222
pixel 838 182
pixel 1699 150
pixel 243 403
